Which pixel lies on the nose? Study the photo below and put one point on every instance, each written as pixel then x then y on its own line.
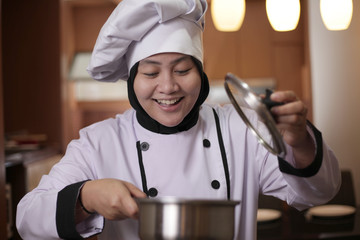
pixel 168 84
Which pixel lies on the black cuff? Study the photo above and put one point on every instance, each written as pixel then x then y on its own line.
pixel 65 211
pixel 314 167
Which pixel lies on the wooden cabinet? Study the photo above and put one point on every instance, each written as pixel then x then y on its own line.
pixel 81 21
pixel 256 50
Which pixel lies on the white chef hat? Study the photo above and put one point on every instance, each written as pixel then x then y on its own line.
pixel 137 29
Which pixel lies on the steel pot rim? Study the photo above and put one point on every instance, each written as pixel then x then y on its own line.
pixel 177 200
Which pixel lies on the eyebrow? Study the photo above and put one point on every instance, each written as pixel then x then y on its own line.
pixel 180 59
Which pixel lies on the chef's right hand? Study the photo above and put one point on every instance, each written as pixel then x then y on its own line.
pixel 111 198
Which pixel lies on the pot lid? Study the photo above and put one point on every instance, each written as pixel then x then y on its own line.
pixel 246 102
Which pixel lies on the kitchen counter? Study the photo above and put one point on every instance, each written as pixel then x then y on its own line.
pixel 23 172
pixel 13 158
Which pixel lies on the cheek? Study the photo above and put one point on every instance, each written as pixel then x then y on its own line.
pixel 140 89
pixel 195 88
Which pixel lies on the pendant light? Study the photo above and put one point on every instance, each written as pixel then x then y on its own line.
pixel 228 15
pixel 336 14
pixel 283 15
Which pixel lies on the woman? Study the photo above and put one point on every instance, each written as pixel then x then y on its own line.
pixel 171 143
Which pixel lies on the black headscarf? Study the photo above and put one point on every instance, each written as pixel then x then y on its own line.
pixel 149 123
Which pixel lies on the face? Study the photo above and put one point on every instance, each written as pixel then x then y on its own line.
pixel 167 86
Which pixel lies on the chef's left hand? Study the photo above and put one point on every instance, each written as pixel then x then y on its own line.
pixel 291 122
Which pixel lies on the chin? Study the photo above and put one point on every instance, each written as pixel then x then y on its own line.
pixel 170 123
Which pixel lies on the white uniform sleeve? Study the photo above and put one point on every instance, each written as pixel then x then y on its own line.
pixel 39 211
pixel 313 185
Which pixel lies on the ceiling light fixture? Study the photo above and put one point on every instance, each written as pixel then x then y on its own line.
pixel 228 15
pixel 336 14
pixel 283 15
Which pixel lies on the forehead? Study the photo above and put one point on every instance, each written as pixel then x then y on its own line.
pixel 166 58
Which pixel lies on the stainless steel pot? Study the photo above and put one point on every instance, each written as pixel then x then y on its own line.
pixel 172 218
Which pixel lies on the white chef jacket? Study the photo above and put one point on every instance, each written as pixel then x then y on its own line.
pixel 175 165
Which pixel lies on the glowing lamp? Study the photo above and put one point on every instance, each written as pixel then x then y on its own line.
pixel 228 15
pixel 336 14
pixel 283 15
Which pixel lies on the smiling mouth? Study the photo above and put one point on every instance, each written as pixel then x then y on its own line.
pixel 168 102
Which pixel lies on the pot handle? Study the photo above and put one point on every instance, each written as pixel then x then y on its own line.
pixel 268 102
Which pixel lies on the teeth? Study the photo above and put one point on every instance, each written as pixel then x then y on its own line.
pixel 168 102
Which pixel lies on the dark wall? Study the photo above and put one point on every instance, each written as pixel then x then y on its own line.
pixel 31 67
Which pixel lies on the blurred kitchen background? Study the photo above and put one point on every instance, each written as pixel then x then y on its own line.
pixel 46 95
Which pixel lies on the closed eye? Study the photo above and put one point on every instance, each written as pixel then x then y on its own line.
pixel 183 72
pixel 152 74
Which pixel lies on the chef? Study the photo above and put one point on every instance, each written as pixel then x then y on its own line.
pixel 171 143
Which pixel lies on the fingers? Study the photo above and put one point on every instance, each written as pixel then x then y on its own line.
pixel 291 112
pixel 290 117
pixel 112 198
pixel 123 202
pixel 297 109
pixel 132 209
pixel 293 120
pixel 292 106
pixel 127 207
pixel 284 96
pixel 135 192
